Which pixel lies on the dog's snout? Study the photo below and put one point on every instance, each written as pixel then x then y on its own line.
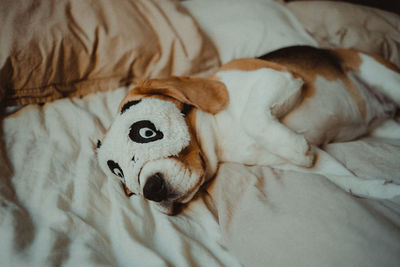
pixel 155 188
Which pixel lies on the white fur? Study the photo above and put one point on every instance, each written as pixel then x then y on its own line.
pixel 263 124
pixel 325 116
pixel 256 100
pixel 265 115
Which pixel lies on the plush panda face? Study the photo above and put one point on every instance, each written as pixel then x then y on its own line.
pixel 142 147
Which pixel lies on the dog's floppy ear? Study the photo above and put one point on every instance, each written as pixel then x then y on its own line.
pixel 208 95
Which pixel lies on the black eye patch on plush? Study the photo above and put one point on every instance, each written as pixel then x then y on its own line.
pixel 144 132
pixel 128 105
pixel 115 168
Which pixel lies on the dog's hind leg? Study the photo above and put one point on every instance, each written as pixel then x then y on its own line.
pixel 272 96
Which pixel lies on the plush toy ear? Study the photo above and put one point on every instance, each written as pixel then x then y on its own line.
pixel 208 95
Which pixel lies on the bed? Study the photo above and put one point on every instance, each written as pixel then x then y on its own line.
pixel 65 67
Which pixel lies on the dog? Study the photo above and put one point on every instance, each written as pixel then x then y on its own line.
pixel 170 134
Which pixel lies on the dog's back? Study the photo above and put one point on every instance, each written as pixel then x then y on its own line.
pixel 334 64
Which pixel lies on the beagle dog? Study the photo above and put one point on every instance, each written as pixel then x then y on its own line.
pixel 170 134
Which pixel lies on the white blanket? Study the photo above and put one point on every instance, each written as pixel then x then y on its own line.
pixel 59 208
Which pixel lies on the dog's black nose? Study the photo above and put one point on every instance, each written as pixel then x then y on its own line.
pixel 155 188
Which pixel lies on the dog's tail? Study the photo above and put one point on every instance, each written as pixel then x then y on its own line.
pixel 379 74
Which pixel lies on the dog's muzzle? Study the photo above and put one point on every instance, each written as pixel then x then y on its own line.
pixel 155 188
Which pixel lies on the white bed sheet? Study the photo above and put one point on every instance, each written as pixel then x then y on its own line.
pixel 59 208
pixel 272 217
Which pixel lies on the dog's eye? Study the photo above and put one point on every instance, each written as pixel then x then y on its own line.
pixel 144 132
pixel 115 169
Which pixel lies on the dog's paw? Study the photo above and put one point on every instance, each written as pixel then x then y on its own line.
pixel 307 159
pixel 303 155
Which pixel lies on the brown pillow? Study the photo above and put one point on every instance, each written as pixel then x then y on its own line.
pixel 56 48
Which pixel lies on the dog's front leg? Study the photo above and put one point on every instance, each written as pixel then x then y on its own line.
pixel 268 101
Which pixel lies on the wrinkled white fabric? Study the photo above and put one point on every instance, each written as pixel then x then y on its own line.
pixel 272 217
pixel 57 206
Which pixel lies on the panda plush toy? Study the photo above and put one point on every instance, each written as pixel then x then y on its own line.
pixel 143 139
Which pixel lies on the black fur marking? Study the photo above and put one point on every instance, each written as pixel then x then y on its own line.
pixel 144 132
pixel 186 109
pixel 128 105
pixel 306 57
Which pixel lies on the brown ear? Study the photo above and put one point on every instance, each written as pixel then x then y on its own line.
pixel 208 95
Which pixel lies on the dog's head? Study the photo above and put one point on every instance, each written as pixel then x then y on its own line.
pixel 152 147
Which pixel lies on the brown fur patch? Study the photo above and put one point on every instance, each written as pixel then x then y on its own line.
pixel 126 190
pixel 192 156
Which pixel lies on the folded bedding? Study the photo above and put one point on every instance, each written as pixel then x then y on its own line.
pixel 58 208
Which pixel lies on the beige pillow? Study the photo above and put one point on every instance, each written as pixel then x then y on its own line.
pixel 248 28
pixel 56 48
pixel 337 24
